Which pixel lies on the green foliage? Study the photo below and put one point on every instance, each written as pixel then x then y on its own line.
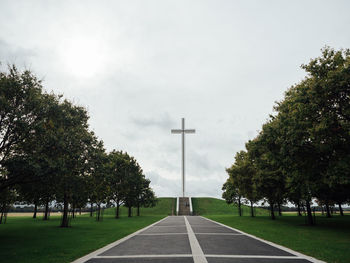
pixel 20 114
pixel 48 154
pixel 127 182
pixel 303 152
pixel 240 182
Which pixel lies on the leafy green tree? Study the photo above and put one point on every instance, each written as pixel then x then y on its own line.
pixel 329 92
pixel 146 198
pixel 117 173
pixel 34 160
pixel 269 178
pixel 133 186
pixel 245 176
pixel 20 110
pixel 315 125
pixel 97 176
pixel 231 193
pixel 70 146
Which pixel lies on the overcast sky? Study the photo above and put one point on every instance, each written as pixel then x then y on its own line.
pixel 140 66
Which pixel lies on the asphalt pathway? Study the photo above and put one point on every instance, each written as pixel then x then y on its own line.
pixel 195 239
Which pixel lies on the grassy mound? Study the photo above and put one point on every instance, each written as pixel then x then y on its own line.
pixel 165 206
pixel 213 206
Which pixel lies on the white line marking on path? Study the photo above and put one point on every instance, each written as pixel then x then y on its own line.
pixel 299 255
pixel 171 226
pixel 162 234
pixel 252 256
pixel 220 234
pixel 109 246
pixel 165 234
pixel 198 255
pixel 149 256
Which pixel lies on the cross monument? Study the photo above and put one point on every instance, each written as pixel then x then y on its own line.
pixel 182 131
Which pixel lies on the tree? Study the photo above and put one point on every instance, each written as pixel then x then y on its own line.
pixel 231 194
pixel 33 161
pixel 20 111
pixel 246 173
pixel 269 178
pixel 117 173
pixel 70 144
pixel 133 185
pixel 97 176
pixel 146 197
pixel 315 118
pixel 329 92
pixel 7 197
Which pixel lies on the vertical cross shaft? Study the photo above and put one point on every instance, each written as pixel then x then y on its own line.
pixel 183 131
pixel 183 157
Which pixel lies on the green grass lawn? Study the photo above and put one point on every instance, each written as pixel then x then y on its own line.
pixel 24 239
pixel 214 206
pixel 329 240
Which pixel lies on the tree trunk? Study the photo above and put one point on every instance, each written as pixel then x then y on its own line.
pixel 98 216
pixel 322 209
pixel 299 211
pixel 341 209
pixel 279 209
pixel 46 214
pixel 64 222
pixel 239 207
pixel 91 208
pixel 328 210
pixel 251 208
pixel 138 209
pixel 2 212
pixel 35 209
pixel 80 211
pixel 272 211
pixel 73 210
pixel 309 214
pixel 129 211
pixel 117 210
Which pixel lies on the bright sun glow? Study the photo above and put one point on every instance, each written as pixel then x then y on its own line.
pixel 82 57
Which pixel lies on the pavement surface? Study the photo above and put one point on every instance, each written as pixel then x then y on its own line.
pixel 195 239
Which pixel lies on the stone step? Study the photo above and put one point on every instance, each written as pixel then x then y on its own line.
pixel 184 206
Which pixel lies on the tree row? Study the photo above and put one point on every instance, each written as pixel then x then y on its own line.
pixel 48 155
pixel 302 153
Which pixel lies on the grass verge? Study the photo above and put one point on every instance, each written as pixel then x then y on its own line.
pixel 28 240
pixel 328 240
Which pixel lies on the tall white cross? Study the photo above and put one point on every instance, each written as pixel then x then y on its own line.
pixel 183 131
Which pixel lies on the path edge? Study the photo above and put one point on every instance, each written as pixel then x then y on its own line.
pixel 300 255
pixel 113 244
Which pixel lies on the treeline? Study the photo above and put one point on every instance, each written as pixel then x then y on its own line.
pixel 302 153
pixel 48 155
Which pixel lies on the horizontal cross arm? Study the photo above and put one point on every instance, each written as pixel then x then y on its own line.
pixel 176 131
pixel 190 131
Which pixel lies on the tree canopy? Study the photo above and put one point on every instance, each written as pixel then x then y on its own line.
pixel 303 151
pixel 48 154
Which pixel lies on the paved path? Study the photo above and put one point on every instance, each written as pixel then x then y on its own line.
pixel 195 239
